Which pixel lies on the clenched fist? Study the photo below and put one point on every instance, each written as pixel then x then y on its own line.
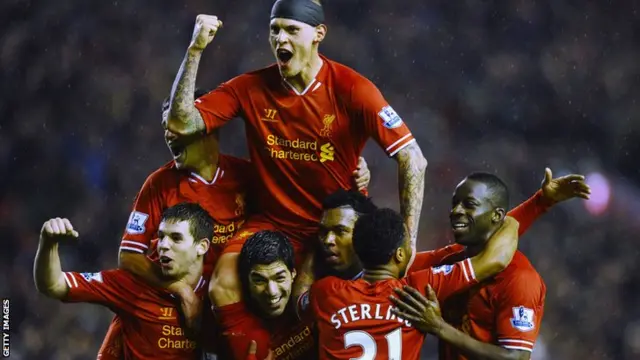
pixel 57 229
pixel 204 31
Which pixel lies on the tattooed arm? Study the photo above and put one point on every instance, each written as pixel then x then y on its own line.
pixel 184 118
pixel 411 169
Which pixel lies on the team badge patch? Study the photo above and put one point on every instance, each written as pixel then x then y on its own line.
pixel 445 269
pixel 304 302
pixel 136 223
pixel 523 319
pixel 390 119
pixel 92 277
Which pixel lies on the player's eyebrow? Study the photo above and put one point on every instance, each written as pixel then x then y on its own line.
pixel 281 273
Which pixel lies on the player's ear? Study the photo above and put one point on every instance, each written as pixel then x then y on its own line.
pixel 400 255
pixel 498 215
pixel 321 32
pixel 293 274
pixel 202 246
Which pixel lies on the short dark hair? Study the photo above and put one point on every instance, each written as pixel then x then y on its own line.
pixel 497 187
pixel 196 94
pixel 356 200
pixel 263 248
pixel 200 222
pixel 377 235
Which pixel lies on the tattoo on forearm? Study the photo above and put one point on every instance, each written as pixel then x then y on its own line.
pixel 411 169
pixel 183 115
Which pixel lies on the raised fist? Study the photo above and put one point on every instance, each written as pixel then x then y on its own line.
pixel 204 31
pixel 57 229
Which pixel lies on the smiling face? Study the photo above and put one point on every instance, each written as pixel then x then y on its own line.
pixel 270 287
pixel 473 216
pixel 294 44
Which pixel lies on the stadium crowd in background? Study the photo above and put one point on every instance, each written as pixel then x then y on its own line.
pixel 503 88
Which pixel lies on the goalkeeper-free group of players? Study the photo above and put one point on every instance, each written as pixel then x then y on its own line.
pixel 285 256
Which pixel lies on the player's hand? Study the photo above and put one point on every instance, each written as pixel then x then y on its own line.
pixel 423 312
pixel 361 175
pixel 57 229
pixel 204 31
pixel 565 187
pixel 510 221
pixel 191 311
pixel 253 349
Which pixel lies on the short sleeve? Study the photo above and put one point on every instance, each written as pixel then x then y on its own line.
pixel 445 280
pixel 381 121
pixel 219 106
pixel 112 288
pixel 519 307
pixel 427 259
pixel 144 219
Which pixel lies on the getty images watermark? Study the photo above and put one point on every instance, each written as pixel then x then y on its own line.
pixel 6 342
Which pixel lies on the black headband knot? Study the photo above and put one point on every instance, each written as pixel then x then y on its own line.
pixel 307 11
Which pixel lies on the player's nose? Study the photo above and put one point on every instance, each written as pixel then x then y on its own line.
pixel 164 243
pixel 329 240
pixel 272 288
pixel 457 209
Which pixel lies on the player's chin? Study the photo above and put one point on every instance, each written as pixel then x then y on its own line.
pixel 275 312
pixel 167 272
pixel 463 238
pixel 287 71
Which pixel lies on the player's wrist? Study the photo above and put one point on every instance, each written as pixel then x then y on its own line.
pixel 441 329
pixel 48 241
pixel 194 50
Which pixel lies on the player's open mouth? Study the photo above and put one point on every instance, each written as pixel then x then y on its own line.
pixel 284 56
pixel 176 150
pixel 165 260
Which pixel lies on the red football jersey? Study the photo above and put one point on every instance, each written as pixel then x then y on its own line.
pixel 149 317
pixel 287 336
pixel 223 198
pixel 505 310
pixel 305 146
pixel 354 319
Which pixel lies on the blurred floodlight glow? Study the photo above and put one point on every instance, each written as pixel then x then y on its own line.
pixel 600 194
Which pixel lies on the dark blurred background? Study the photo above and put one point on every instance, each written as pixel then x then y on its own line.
pixel 503 86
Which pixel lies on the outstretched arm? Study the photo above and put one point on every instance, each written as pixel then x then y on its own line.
pixel 411 168
pixel 184 119
pixel 47 272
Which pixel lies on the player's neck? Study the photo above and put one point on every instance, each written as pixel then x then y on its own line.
pixel 473 250
pixel 208 167
pixel 301 81
pixel 192 277
pixel 378 274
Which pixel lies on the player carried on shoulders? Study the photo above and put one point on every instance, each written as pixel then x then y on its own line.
pixel 307 120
